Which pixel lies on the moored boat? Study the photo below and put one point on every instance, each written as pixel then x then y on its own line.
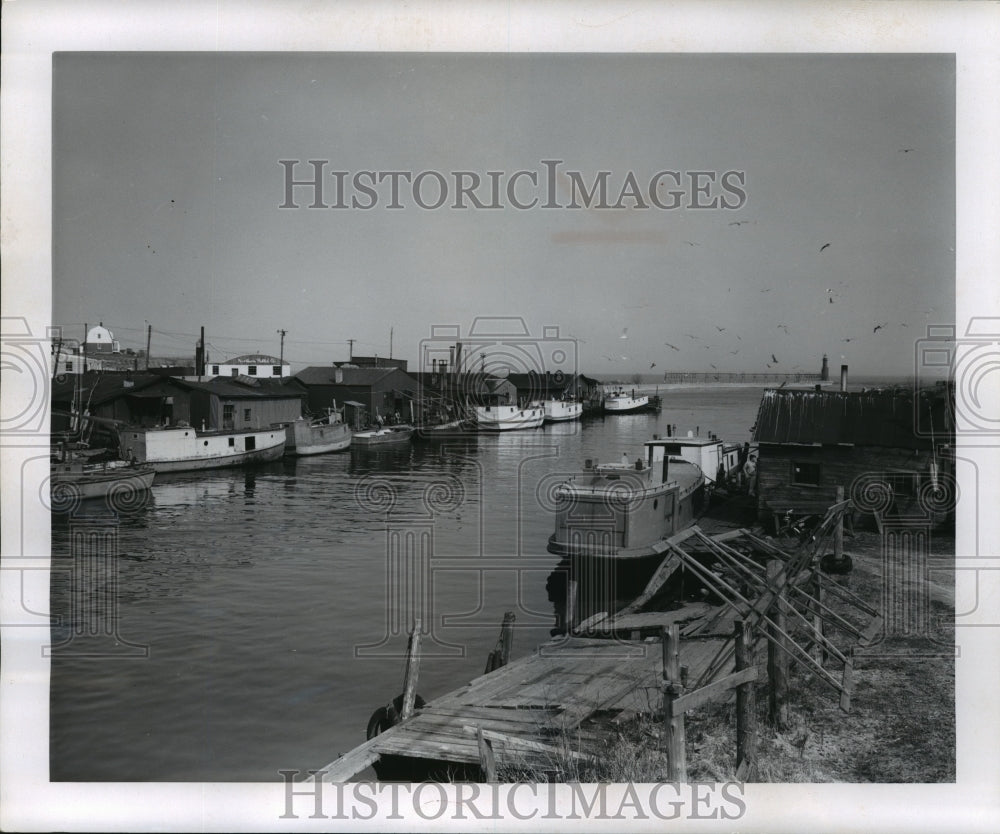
pixel 317 437
pixel 75 477
pixel 383 436
pixel 557 411
pixel 623 402
pixel 497 417
pixel 184 448
pixel 613 519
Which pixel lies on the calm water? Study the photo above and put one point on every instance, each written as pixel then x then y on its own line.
pixel 266 607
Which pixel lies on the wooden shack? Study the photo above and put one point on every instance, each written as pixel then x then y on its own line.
pixel 811 442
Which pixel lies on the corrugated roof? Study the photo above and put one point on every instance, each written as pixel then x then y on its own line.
pixel 880 417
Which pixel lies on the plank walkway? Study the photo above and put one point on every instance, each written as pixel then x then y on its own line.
pixel 533 706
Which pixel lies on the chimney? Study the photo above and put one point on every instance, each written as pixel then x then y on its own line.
pixel 451 359
pixel 824 374
pixel 458 356
pixel 843 377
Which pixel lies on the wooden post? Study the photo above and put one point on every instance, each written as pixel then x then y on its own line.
pixel 572 591
pixel 410 677
pixel 777 656
pixel 838 533
pixel 501 652
pixel 487 761
pixel 673 724
pixel 746 704
pixel 819 596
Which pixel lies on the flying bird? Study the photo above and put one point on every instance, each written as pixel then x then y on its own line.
pixel 783 327
pixel 720 329
pixel 824 246
pixel 774 359
pixel 733 352
pixel 830 299
pixel 905 150
pixel 691 243
pixel 767 290
pixel 739 222
pixel 878 327
pixel 652 365
pixel 690 336
pixel 674 347
pixel 845 340
pixel 713 365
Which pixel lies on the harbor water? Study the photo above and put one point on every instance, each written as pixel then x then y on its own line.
pixel 259 616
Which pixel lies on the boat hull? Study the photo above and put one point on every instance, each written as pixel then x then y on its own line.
pixel 509 417
pixel 304 438
pixel 95 481
pixel 627 405
pixel 560 412
pixel 390 436
pixel 184 449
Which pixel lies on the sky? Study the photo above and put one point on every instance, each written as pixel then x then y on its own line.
pixel 840 237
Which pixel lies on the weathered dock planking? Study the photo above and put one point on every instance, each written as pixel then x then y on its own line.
pixel 531 707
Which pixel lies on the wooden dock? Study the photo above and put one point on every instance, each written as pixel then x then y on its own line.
pixel 565 700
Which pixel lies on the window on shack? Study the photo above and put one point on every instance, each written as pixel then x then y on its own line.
pixel 807 473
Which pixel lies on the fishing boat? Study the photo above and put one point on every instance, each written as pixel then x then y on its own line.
pixel 383 436
pixel 319 436
pixel 620 401
pixel 184 448
pixel 442 431
pixel 497 417
pixel 74 476
pixel 613 519
pixel 558 411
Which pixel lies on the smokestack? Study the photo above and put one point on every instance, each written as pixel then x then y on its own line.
pixel 458 357
pixel 451 359
pixel 824 374
pixel 843 377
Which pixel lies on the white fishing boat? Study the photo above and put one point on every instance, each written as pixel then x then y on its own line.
pixel 383 436
pixel 183 448
pixel 73 478
pixel 497 417
pixel 624 510
pixel 557 411
pixel 620 401
pixel 317 437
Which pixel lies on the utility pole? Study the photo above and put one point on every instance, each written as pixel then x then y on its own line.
pixel 351 354
pixel 390 343
pixel 281 357
pixel 86 330
pixel 149 336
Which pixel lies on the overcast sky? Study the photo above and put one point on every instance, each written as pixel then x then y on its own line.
pixel 167 187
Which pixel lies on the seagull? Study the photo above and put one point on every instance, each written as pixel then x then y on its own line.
pixel 739 222
pixel 713 365
pixel 767 290
pixel 690 336
pixel 690 243
pixel 783 327
pixel 878 327
pixel 830 299
pixel 674 347
pixel 720 329
pixel 733 352
pixel 824 246
pixel 905 150
pixel 774 359
pixel 652 365
pixel 845 340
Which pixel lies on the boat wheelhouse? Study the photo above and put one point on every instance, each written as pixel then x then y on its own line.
pixel 184 448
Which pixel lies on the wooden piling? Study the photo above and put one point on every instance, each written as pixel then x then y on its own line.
pixel 410 676
pixel 673 719
pixel 572 592
pixel 746 705
pixel 500 655
pixel 777 653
